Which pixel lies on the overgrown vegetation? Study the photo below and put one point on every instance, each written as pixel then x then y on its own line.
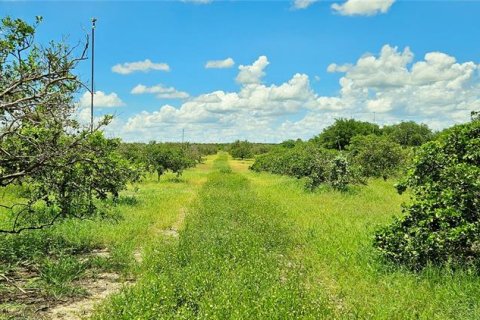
pixel 61 167
pixel 336 231
pixel 346 153
pixel 378 156
pixel 160 158
pixel 233 260
pixel 306 160
pixel 442 223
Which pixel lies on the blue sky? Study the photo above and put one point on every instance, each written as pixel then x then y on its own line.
pixel 402 60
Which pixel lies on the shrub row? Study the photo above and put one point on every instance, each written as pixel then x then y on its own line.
pixel 366 156
pixel 305 159
pixel 441 225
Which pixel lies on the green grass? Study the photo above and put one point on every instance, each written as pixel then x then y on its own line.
pixel 234 259
pixel 59 256
pixel 252 246
pixel 337 231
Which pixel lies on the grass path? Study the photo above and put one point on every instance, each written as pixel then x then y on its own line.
pixel 234 259
pixel 257 246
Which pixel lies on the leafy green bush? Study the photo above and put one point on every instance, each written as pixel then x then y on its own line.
pixel 241 149
pixel 338 135
pixel 302 160
pixel 442 224
pixel 377 156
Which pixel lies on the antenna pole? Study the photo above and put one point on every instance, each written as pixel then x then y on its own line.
pixel 92 91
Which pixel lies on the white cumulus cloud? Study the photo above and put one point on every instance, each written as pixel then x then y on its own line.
pixel 101 100
pixel 139 66
pixel 251 74
pixel 303 4
pixel 388 86
pixel 220 64
pixel 437 86
pixel 362 7
pixel 160 91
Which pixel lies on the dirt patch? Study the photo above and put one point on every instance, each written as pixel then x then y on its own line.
pixel 97 289
pixel 96 253
pixel 16 286
pixel 21 298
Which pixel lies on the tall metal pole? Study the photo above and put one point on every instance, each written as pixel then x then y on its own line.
pixel 92 92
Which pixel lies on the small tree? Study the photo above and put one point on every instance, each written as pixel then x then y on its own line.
pixel 442 223
pixel 241 149
pixel 377 156
pixel 338 135
pixel 62 167
pixel 162 157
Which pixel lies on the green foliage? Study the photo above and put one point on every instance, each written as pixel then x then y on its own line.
pixel 288 143
pixel 338 135
pixel 161 157
pixel 298 161
pixel 305 159
pixel 241 149
pixel 408 133
pixel 64 168
pixel 377 156
pixel 30 247
pixel 442 223
pixel 339 175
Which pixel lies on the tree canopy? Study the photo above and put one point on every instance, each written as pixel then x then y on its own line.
pixel 442 223
pixel 408 133
pixel 60 166
pixel 338 135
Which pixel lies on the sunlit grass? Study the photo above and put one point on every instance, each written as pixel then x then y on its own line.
pixel 234 259
pixel 337 229
pixel 252 246
pixel 61 253
pixel 159 205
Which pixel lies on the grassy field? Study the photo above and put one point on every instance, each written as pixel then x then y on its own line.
pixel 51 265
pixel 337 231
pixel 225 242
pixel 233 260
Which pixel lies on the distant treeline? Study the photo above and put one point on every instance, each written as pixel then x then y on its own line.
pixel 346 152
pixel 160 157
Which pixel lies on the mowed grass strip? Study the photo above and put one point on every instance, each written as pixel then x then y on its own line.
pixel 231 261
